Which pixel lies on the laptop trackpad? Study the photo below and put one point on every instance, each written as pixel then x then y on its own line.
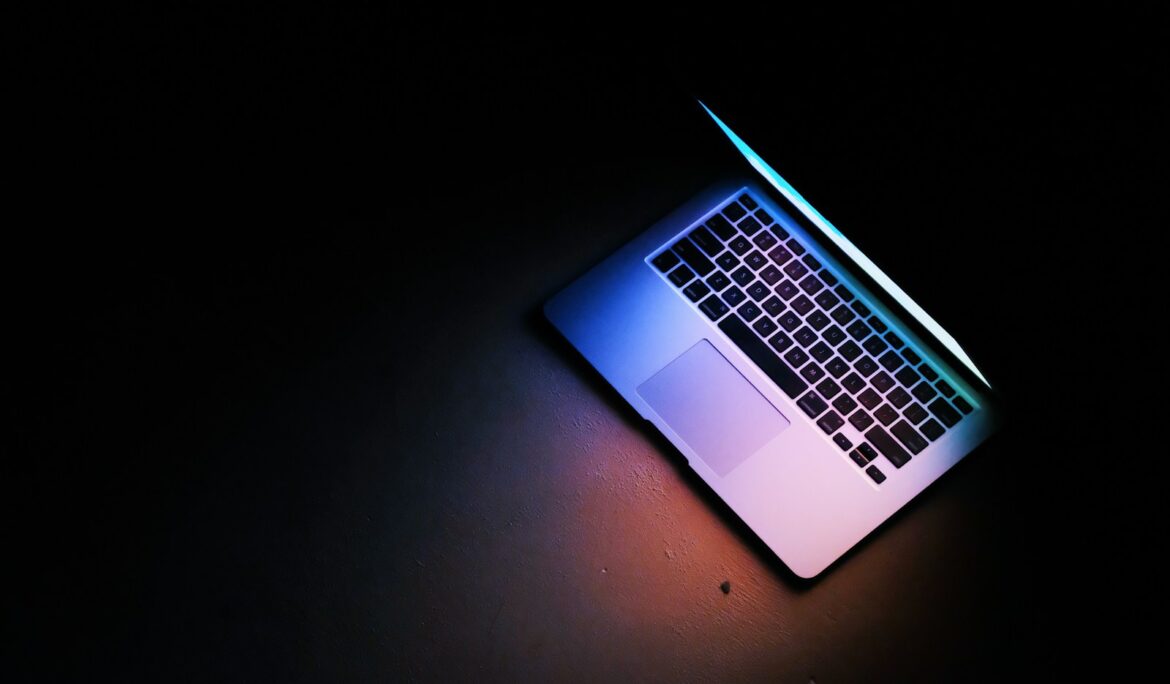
pixel 716 411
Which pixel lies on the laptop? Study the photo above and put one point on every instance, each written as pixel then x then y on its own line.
pixel 807 389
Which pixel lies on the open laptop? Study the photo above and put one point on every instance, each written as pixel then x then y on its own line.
pixel 798 380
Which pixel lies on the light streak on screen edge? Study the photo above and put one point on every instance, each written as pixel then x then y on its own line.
pixel 831 232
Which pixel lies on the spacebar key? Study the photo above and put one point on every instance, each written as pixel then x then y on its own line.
pixel 762 356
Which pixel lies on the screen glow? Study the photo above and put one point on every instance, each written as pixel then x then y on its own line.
pixel 785 188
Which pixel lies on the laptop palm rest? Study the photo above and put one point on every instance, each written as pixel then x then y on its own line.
pixel 713 408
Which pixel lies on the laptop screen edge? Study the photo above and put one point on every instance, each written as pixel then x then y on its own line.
pixel 844 244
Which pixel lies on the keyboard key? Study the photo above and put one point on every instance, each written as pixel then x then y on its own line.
pixel 796 357
pixel 765 326
pixel 830 422
pixel 734 296
pixel 805 336
pixel 747 201
pixel 875 474
pixel 894 341
pixel 743 275
pixel 800 305
pixel 826 300
pixel 749 312
pixel 817 320
pixel 853 383
pixel 681 275
pixel 865 366
pixel 811 284
pixel 787 290
pixel 867 451
pixel 828 388
pixel 932 429
pixel 756 260
pixel 739 245
pixel 963 405
pixel 849 350
pixel 915 414
pixel 909 437
pixel 812 263
pixel 789 321
pixel 765 240
pixel 842 441
pixel 891 360
pixel 829 278
pixel 757 291
pixel 858 458
pixel 718 281
pixel 780 255
pixel 944 412
pixel 877 324
pixel 696 290
pixel 833 335
pixel 693 256
pixel 803 305
pixel 796 247
pixel 875 345
pixel 889 448
pixel 789 382
pixel 706 241
pixel 861 309
pixel 733 211
pixel 928 372
pixel 812 372
pixel 869 398
pixel 886 414
pixel 858 330
pixel 727 261
pixel 749 226
pixel 773 305
pixel 843 314
pixel 812 405
pixel 721 227
pixel 907 376
pixel 944 388
pixel 899 397
pixel 860 420
pixel 665 261
pixel 843 292
pixel 882 382
pixel 911 358
pixel 778 231
pixel 924 392
pixel 821 352
pixel 780 342
pixel 764 218
pixel 713 307
pixel 771 274
pixel 837 367
pixel 844 404
pixel 795 270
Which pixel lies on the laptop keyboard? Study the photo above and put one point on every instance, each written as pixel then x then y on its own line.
pixel 812 336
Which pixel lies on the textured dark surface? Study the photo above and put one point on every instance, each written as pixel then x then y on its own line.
pixel 285 416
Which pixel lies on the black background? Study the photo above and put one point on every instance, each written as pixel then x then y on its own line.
pixel 248 232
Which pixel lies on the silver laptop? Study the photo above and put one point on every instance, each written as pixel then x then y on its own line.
pixel 798 380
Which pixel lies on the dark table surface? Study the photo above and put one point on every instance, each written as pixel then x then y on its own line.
pixel 288 409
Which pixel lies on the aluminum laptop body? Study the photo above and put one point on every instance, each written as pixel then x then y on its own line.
pixel 796 378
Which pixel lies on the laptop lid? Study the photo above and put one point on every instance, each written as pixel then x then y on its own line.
pixel 855 255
